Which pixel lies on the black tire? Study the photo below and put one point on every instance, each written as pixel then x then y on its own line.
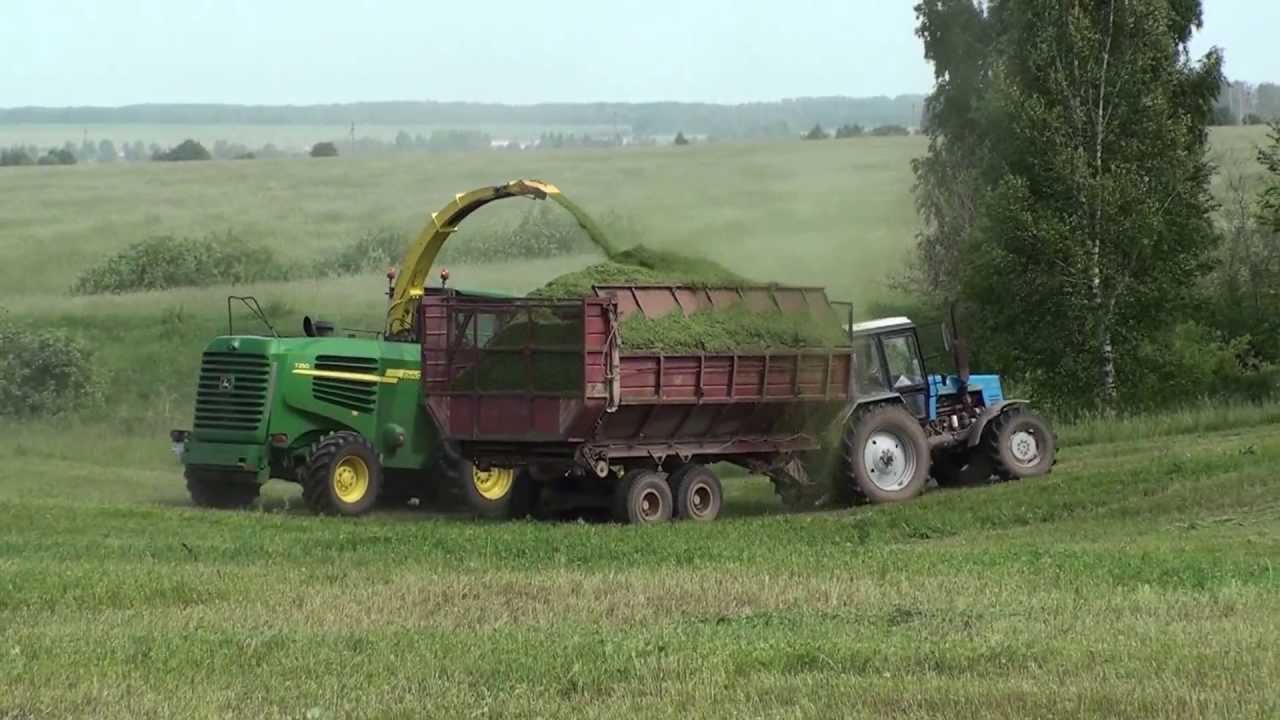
pixel 221 490
pixel 697 493
pixel 905 456
pixel 963 469
pixel 477 497
pixel 1020 444
pixel 331 481
pixel 642 497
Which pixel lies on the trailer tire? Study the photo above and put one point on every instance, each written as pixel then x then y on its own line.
pixel 343 475
pixel 963 469
pixel 1021 445
pixel 697 492
pixel 886 456
pixel 642 497
pixel 221 490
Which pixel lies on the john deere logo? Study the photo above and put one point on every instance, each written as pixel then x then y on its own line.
pixel 226 383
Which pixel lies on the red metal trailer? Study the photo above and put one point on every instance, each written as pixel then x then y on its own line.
pixel 550 387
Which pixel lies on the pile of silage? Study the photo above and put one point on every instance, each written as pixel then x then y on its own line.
pixel 556 366
pixel 729 330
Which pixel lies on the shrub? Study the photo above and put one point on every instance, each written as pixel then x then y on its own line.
pixel 44 372
pixel 15 156
pixel 681 140
pixel 375 250
pixel 58 156
pixel 816 133
pixel 167 261
pixel 890 131
pixel 324 149
pixel 849 131
pixel 186 150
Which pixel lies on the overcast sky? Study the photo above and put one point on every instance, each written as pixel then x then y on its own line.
pixel 114 52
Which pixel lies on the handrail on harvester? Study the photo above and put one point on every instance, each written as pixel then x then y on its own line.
pixel 415 269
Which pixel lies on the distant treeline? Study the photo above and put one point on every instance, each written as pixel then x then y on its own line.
pixel 784 117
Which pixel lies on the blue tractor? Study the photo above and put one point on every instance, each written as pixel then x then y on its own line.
pixel 908 425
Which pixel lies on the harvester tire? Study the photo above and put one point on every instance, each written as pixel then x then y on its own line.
pixel 697 493
pixel 494 494
pixel 222 491
pixel 642 497
pixel 886 456
pixel 343 475
pixel 1021 445
pixel 963 469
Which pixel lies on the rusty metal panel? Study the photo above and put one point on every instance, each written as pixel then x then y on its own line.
pixel 655 301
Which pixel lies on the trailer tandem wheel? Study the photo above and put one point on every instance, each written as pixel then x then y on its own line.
pixel 642 497
pixel 697 492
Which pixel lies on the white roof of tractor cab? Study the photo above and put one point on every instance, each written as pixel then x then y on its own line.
pixel 872 327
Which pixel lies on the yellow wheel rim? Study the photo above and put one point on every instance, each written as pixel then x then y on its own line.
pixel 493 484
pixel 351 479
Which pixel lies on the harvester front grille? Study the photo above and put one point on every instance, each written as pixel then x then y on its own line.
pixel 350 393
pixel 232 391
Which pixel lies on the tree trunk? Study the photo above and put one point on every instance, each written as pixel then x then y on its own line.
pixel 1103 307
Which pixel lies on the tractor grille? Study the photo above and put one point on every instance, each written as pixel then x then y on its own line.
pixel 232 392
pixel 359 395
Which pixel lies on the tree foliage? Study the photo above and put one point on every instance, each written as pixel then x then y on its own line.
pixel 183 151
pixel 816 133
pixel 1066 189
pixel 1269 158
pixel 324 149
pixel 15 156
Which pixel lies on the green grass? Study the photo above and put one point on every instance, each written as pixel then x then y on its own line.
pixel 1139 580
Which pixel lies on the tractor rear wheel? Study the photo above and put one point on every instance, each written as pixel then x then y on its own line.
pixel 963 469
pixel 1020 444
pixel 886 456
pixel 697 493
pixel 222 490
pixel 343 475
pixel 642 497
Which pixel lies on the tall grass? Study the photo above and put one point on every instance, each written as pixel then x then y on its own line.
pixel 1206 416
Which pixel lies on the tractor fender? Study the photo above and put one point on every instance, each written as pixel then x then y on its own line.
pixel 864 401
pixel 991 413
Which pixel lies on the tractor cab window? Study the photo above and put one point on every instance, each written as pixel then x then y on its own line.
pixel 868 372
pixel 903 358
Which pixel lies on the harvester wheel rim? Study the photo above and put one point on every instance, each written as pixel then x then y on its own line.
pixel 351 479
pixel 493 484
pixel 890 460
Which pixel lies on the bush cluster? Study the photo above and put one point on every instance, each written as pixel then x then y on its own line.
pixel 167 261
pixel 44 372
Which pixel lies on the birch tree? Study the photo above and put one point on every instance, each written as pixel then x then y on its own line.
pixel 1094 218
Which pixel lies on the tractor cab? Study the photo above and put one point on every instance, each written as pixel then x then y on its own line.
pixel 888 361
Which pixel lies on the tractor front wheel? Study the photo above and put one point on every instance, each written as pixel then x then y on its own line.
pixel 1021 445
pixel 343 475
